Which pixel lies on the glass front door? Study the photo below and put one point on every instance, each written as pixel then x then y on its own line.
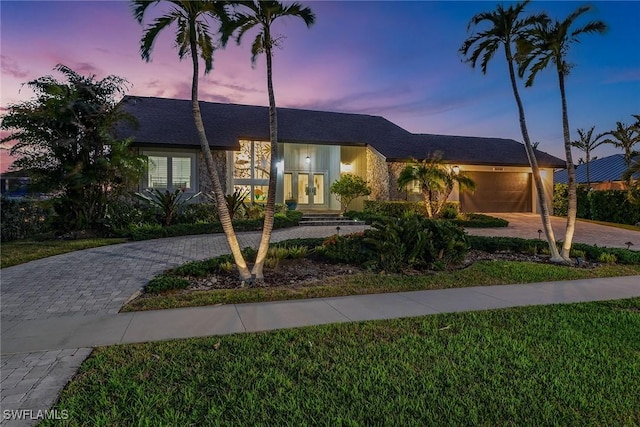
pixel 309 188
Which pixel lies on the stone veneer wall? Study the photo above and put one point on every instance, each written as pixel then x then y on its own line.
pixel 377 175
pixel 394 172
pixel 220 160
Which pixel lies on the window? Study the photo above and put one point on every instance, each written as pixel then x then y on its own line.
pixel 171 171
pixel 251 168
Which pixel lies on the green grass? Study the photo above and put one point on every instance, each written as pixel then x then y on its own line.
pixel 574 364
pixel 478 274
pixel 21 251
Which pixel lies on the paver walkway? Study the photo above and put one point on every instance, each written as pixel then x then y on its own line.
pixel 55 309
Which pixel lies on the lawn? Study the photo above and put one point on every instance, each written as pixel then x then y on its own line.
pixel 21 251
pixel 479 274
pixel 574 364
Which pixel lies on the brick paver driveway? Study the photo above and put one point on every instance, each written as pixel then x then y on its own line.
pixel 526 225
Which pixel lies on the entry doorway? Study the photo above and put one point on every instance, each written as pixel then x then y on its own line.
pixel 308 187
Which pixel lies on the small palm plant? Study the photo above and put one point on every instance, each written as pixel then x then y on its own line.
pixel 169 203
pixel 436 182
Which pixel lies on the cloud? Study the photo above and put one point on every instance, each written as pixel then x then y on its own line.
pixel 86 69
pixel 11 68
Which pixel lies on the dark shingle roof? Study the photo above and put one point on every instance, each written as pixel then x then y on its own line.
pixel 472 150
pixel 169 123
pixel 605 169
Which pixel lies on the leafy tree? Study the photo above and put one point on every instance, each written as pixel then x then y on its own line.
pixel 436 182
pixel 192 19
pixel 348 188
pixel 261 15
pixel 625 137
pixel 504 29
pixel 548 41
pixel 65 142
pixel 587 143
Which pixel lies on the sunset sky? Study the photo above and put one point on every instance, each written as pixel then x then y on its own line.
pixel 398 60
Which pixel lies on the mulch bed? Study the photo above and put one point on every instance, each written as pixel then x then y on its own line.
pixel 307 272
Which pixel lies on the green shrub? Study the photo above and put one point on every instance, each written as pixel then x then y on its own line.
pixel 613 206
pixel 476 220
pixel 366 217
pixel 166 282
pixel 510 244
pixel 451 210
pixel 394 208
pixel 297 252
pixel 415 241
pixel 197 213
pixel 24 218
pixel 348 249
pixel 607 258
pixel 560 200
pixel 198 268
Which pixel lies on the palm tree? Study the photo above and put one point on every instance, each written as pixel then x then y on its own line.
pixel 505 28
pixel 625 137
pixel 436 182
pixel 547 42
pixel 588 143
pixel 192 37
pixel 261 15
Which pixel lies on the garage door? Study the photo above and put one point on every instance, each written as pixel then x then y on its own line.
pixel 498 192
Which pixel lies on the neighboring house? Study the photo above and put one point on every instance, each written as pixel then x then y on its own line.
pixel 14 184
pixel 605 173
pixel 315 148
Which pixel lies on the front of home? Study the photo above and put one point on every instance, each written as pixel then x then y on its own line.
pixel 315 148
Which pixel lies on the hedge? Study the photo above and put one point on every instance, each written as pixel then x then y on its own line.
pixel 600 205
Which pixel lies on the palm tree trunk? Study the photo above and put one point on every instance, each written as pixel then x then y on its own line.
pixel 588 156
pixel 223 211
pixel 267 228
pixel 572 208
pixel 542 199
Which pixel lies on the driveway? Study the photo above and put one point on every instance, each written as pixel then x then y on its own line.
pixel 526 226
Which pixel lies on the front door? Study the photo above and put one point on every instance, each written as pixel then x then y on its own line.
pixel 309 188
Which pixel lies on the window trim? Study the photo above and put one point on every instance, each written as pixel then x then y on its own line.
pixel 170 155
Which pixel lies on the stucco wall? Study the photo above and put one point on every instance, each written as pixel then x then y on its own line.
pixel 377 175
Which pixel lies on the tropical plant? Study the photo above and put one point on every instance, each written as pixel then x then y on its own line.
pixel 192 18
pixel 625 137
pixel 587 143
pixel 348 188
pixel 504 29
pixel 65 141
pixel 436 182
pixel 548 41
pixel 168 203
pixel 236 201
pixel 261 15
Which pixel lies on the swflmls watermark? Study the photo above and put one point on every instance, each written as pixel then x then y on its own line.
pixel 33 415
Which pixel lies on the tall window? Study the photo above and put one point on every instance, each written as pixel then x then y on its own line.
pixel 171 172
pixel 251 169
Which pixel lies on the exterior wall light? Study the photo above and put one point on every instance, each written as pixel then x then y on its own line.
pixel 308 160
pixel 456 169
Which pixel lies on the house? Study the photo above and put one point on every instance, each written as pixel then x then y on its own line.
pixel 315 148
pixel 605 173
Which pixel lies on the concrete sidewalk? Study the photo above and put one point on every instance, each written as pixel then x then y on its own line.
pixel 90 331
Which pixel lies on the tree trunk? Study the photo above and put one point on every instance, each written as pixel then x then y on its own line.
pixel 267 228
pixel 426 194
pixel 537 179
pixel 572 208
pixel 223 211
pixel 588 156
